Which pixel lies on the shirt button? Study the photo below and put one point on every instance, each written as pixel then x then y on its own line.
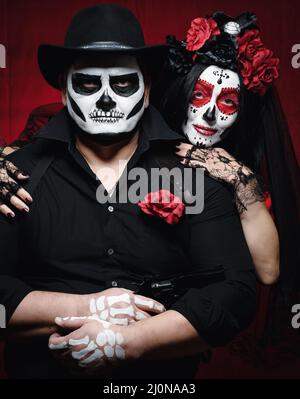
pixel 114 284
pixel 111 209
pixel 110 251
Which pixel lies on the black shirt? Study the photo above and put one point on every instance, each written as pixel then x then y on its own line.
pixel 71 243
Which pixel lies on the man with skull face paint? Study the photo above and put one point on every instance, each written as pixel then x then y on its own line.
pixel 70 256
pixel 107 101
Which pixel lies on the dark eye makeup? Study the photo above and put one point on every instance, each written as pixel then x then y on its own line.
pixel 86 84
pixel 125 85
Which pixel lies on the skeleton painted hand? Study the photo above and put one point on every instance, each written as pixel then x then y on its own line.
pixel 120 306
pixel 10 191
pixel 94 345
pixel 223 167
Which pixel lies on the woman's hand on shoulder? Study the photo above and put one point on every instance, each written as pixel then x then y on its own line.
pixel 12 195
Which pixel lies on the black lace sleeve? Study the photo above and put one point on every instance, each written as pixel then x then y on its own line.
pixel 247 191
pixel 221 166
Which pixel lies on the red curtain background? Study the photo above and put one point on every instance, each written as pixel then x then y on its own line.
pixel 26 24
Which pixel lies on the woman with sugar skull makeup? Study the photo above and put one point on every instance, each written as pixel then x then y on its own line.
pixel 219 96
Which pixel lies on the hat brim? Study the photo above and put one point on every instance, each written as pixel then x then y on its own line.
pixel 53 59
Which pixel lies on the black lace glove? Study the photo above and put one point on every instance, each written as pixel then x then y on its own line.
pixel 223 167
pixel 11 193
pixel 2 151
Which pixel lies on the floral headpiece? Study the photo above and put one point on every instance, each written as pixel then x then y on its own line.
pixel 231 43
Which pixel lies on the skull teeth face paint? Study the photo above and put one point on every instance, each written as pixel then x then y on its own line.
pixel 107 99
pixel 213 107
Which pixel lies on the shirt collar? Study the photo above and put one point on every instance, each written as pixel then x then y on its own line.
pixel 153 128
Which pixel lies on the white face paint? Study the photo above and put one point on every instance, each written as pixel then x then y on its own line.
pixel 106 99
pixel 213 107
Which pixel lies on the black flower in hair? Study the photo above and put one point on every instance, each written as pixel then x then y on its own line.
pixel 221 53
pixel 180 61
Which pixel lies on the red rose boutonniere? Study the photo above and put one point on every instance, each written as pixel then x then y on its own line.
pixel 163 204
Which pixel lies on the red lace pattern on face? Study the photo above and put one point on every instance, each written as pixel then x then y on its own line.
pixel 228 101
pixel 202 93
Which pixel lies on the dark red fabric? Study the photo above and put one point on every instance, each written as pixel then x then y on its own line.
pixel 24 25
pixel 37 119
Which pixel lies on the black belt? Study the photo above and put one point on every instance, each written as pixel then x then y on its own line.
pixel 169 288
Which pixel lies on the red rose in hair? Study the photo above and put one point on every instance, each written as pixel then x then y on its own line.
pixel 164 205
pixel 259 67
pixel 200 31
pixel 263 70
pixel 249 44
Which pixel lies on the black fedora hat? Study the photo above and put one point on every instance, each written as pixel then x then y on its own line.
pixel 103 28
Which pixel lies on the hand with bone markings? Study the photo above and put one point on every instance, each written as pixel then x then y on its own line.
pixel 222 166
pixel 93 346
pixel 123 307
pixel 35 315
pixel 96 347
pixel 97 341
pixel 11 192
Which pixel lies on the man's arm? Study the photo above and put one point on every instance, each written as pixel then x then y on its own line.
pixel 27 309
pixel 31 313
pixel 168 336
pixel 36 313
